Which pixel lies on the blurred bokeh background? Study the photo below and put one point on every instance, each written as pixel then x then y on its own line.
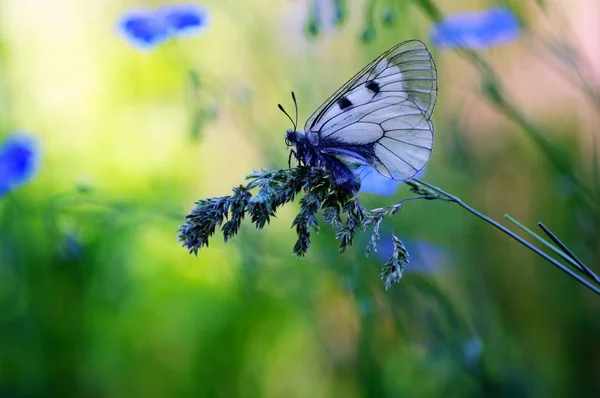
pixel 117 124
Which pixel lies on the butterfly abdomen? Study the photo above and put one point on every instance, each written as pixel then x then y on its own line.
pixel 341 174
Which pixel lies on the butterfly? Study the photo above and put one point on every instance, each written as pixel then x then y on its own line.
pixel 380 118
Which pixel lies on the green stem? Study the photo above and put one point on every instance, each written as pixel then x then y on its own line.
pixel 571 255
pixel 544 241
pixel 516 237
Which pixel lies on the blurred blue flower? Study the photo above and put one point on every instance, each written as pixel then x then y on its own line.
pixel 146 29
pixel 472 350
pixel 184 19
pixel 19 161
pixel 143 28
pixel 373 182
pixel 72 248
pixel 476 30
pixel 425 257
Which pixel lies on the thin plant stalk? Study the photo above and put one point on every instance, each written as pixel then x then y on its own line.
pixel 516 237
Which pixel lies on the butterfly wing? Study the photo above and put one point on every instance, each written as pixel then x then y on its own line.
pixel 382 115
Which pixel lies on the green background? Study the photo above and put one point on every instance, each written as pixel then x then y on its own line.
pixel 98 299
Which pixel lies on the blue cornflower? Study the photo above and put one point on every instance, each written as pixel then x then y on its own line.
pixel 146 29
pixel 472 350
pixel 19 161
pixel 425 257
pixel 476 30
pixel 184 19
pixel 72 248
pixel 143 28
pixel 373 182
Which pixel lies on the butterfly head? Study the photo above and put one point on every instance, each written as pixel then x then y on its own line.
pixel 290 137
pixel 296 139
pixel 293 137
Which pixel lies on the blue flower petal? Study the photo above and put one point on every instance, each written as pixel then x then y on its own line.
pixel 19 161
pixel 375 183
pixel 425 257
pixel 472 350
pixel 144 29
pixel 184 19
pixel 72 248
pixel 476 30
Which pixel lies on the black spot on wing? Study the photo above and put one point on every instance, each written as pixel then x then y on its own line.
pixel 373 86
pixel 344 103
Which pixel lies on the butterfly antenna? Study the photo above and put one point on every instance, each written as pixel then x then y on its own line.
pixel 287 114
pixel 295 105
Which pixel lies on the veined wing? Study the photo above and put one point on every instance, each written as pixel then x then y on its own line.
pixel 382 115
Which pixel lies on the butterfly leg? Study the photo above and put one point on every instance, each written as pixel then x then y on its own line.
pixel 292 153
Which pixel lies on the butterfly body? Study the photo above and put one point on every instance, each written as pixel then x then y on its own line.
pixel 308 153
pixel 379 118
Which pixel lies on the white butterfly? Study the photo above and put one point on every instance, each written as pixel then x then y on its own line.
pixel 381 117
